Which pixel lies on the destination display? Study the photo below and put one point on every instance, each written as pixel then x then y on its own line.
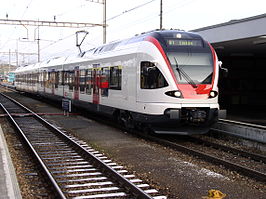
pixel 183 42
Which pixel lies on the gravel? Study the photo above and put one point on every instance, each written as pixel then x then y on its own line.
pixel 31 183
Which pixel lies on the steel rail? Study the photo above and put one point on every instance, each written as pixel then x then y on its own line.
pixel 246 154
pixel 43 166
pixel 135 190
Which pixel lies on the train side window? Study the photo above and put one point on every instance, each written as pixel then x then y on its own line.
pixel 56 79
pixel 104 81
pixel 88 81
pixel 115 78
pixel 82 81
pixel 61 78
pixel 38 77
pixel 52 79
pixel 43 79
pixel 46 79
pixel 151 76
pixel 70 80
pixel 65 77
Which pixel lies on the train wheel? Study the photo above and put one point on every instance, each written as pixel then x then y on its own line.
pixel 127 120
pixel 117 117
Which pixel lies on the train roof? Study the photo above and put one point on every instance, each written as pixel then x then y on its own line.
pixel 57 61
pixel 160 35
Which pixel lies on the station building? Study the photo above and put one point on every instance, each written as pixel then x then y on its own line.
pixel 241 46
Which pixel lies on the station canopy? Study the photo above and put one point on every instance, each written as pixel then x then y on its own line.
pixel 237 37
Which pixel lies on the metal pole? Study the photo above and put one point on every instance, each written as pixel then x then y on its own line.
pixel 161 15
pixel 104 21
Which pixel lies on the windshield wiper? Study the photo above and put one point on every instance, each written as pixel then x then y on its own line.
pixel 185 75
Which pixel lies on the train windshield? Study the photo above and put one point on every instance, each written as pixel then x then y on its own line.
pixel 192 68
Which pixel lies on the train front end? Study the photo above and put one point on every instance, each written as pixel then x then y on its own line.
pixel 190 66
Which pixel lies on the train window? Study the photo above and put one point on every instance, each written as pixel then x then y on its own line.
pixel 49 76
pixel 151 76
pixel 28 79
pixel 61 78
pixel 45 79
pixel 70 80
pixel 34 79
pixel 104 81
pixel 37 77
pixel 115 78
pixel 41 79
pixel 52 79
pixel 88 81
pixel 82 81
pixel 66 77
pixel 56 80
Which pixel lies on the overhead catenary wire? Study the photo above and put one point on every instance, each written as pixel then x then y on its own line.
pixel 13 32
pixel 116 16
pixel 150 16
pixel 26 9
pixel 54 42
pixel 127 11
pixel 124 12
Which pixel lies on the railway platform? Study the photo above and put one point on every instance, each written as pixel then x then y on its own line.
pixel 247 123
pixel 9 188
pixel 248 115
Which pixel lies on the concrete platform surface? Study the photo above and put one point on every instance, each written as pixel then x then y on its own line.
pixel 9 187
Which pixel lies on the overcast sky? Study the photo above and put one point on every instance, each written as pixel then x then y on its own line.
pixel 125 18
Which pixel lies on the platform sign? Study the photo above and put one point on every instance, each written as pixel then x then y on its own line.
pixel 66 105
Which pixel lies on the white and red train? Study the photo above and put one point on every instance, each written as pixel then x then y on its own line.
pixel 165 80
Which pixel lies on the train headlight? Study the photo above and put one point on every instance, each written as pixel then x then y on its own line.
pixel 177 94
pixel 213 94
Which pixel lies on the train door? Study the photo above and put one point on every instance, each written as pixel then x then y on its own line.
pixel 76 83
pixel 44 81
pixel 52 80
pixel 96 82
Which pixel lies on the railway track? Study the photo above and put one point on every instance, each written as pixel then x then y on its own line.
pixel 73 169
pixel 246 163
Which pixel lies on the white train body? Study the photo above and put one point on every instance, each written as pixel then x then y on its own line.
pixel 166 80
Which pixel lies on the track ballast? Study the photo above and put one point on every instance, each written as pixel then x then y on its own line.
pixel 74 169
